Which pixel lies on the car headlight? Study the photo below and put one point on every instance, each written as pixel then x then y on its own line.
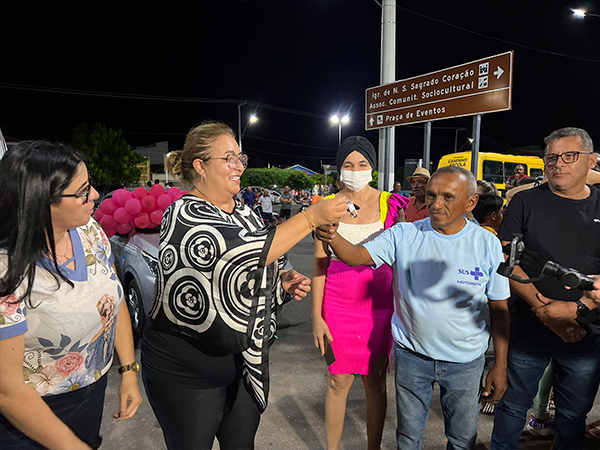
pixel 151 261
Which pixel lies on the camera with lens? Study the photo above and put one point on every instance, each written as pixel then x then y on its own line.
pixel 567 276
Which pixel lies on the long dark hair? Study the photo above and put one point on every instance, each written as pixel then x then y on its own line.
pixel 33 175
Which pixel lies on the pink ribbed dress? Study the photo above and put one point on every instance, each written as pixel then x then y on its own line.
pixel 358 306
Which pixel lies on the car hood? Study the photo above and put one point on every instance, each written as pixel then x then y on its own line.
pixel 147 242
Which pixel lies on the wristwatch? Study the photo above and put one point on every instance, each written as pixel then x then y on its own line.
pixel 582 310
pixel 135 367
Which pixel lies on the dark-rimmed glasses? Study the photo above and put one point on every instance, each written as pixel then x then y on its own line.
pixel 84 195
pixel 234 160
pixel 567 157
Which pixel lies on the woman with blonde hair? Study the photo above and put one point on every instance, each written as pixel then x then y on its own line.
pixel 220 282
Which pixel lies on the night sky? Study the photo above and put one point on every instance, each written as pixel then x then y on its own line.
pixel 313 57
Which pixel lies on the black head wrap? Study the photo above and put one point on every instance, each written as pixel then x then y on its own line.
pixel 359 144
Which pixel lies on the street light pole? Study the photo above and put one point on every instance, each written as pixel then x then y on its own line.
pixel 335 119
pixel 387 135
pixel 240 123
pixel 251 120
pixel 456 137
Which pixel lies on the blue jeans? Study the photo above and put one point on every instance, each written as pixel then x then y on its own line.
pixel 460 387
pixel 575 380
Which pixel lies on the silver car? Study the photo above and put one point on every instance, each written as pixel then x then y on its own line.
pixel 136 260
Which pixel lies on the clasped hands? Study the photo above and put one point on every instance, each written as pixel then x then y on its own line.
pixel 326 232
pixel 560 316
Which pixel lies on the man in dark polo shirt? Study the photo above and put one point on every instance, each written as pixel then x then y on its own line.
pixel 559 221
pixel 417 209
pixel 248 197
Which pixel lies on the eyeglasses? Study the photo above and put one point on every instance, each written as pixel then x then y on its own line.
pixel 567 157
pixel 84 195
pixel 234 160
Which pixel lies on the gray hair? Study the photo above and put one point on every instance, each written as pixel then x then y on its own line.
pixel 456 170
pixel 586 140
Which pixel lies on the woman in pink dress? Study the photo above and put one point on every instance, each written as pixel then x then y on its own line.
pixel 353 306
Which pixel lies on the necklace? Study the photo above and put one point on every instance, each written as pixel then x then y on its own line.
pixel 66 250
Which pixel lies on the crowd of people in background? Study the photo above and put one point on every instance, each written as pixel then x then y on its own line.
pixel 410 275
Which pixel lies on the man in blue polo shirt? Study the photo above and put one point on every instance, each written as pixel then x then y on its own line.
pixel 248 197
pixel 444 274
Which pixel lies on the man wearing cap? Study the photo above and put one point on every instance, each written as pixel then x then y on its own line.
pixel 417 209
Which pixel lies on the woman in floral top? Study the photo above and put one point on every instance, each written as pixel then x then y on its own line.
pixel 59 299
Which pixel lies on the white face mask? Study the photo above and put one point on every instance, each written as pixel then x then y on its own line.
pixel 356 181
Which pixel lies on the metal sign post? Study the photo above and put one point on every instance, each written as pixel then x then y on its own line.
pixel 387 146
pixel 475 146
pixel 427 144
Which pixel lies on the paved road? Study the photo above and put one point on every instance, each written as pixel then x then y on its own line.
pixel 295 416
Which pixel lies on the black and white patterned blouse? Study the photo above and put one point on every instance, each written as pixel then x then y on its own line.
pixel 213 286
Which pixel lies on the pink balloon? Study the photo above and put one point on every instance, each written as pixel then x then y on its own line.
pixel 142 220
pixel 121 216
pixel 98 215
pixel 108 223
pixel 108 206
pixel 157 190
pixel 156 216
pixel 133 206
pixel 123 228
pixel 149 203
pixel 164 200
pixel 110 232
pixel 174 191
pixel 121 196
pixel 140 192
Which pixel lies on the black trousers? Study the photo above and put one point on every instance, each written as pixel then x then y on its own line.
pixel 192 418
pixel 80 410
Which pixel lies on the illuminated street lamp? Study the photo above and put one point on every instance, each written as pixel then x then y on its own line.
pixel 335 119
pixel 251 120
pixel 469 141
pixel 580 13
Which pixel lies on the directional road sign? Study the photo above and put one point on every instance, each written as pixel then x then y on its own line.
pixel 477 87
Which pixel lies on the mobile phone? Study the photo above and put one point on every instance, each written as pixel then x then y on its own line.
pixel 329 356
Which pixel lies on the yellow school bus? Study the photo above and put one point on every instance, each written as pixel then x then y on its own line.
pixel 496 167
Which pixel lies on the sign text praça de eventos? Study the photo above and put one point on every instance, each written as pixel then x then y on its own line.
pixel 477 87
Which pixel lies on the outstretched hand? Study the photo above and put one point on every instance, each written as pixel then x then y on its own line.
pixel 329 210
pixel 295 283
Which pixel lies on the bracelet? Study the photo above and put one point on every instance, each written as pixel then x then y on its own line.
pixel 310 224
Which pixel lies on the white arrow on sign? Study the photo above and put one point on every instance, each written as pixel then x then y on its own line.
pixel 498 72
pixel 371 121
